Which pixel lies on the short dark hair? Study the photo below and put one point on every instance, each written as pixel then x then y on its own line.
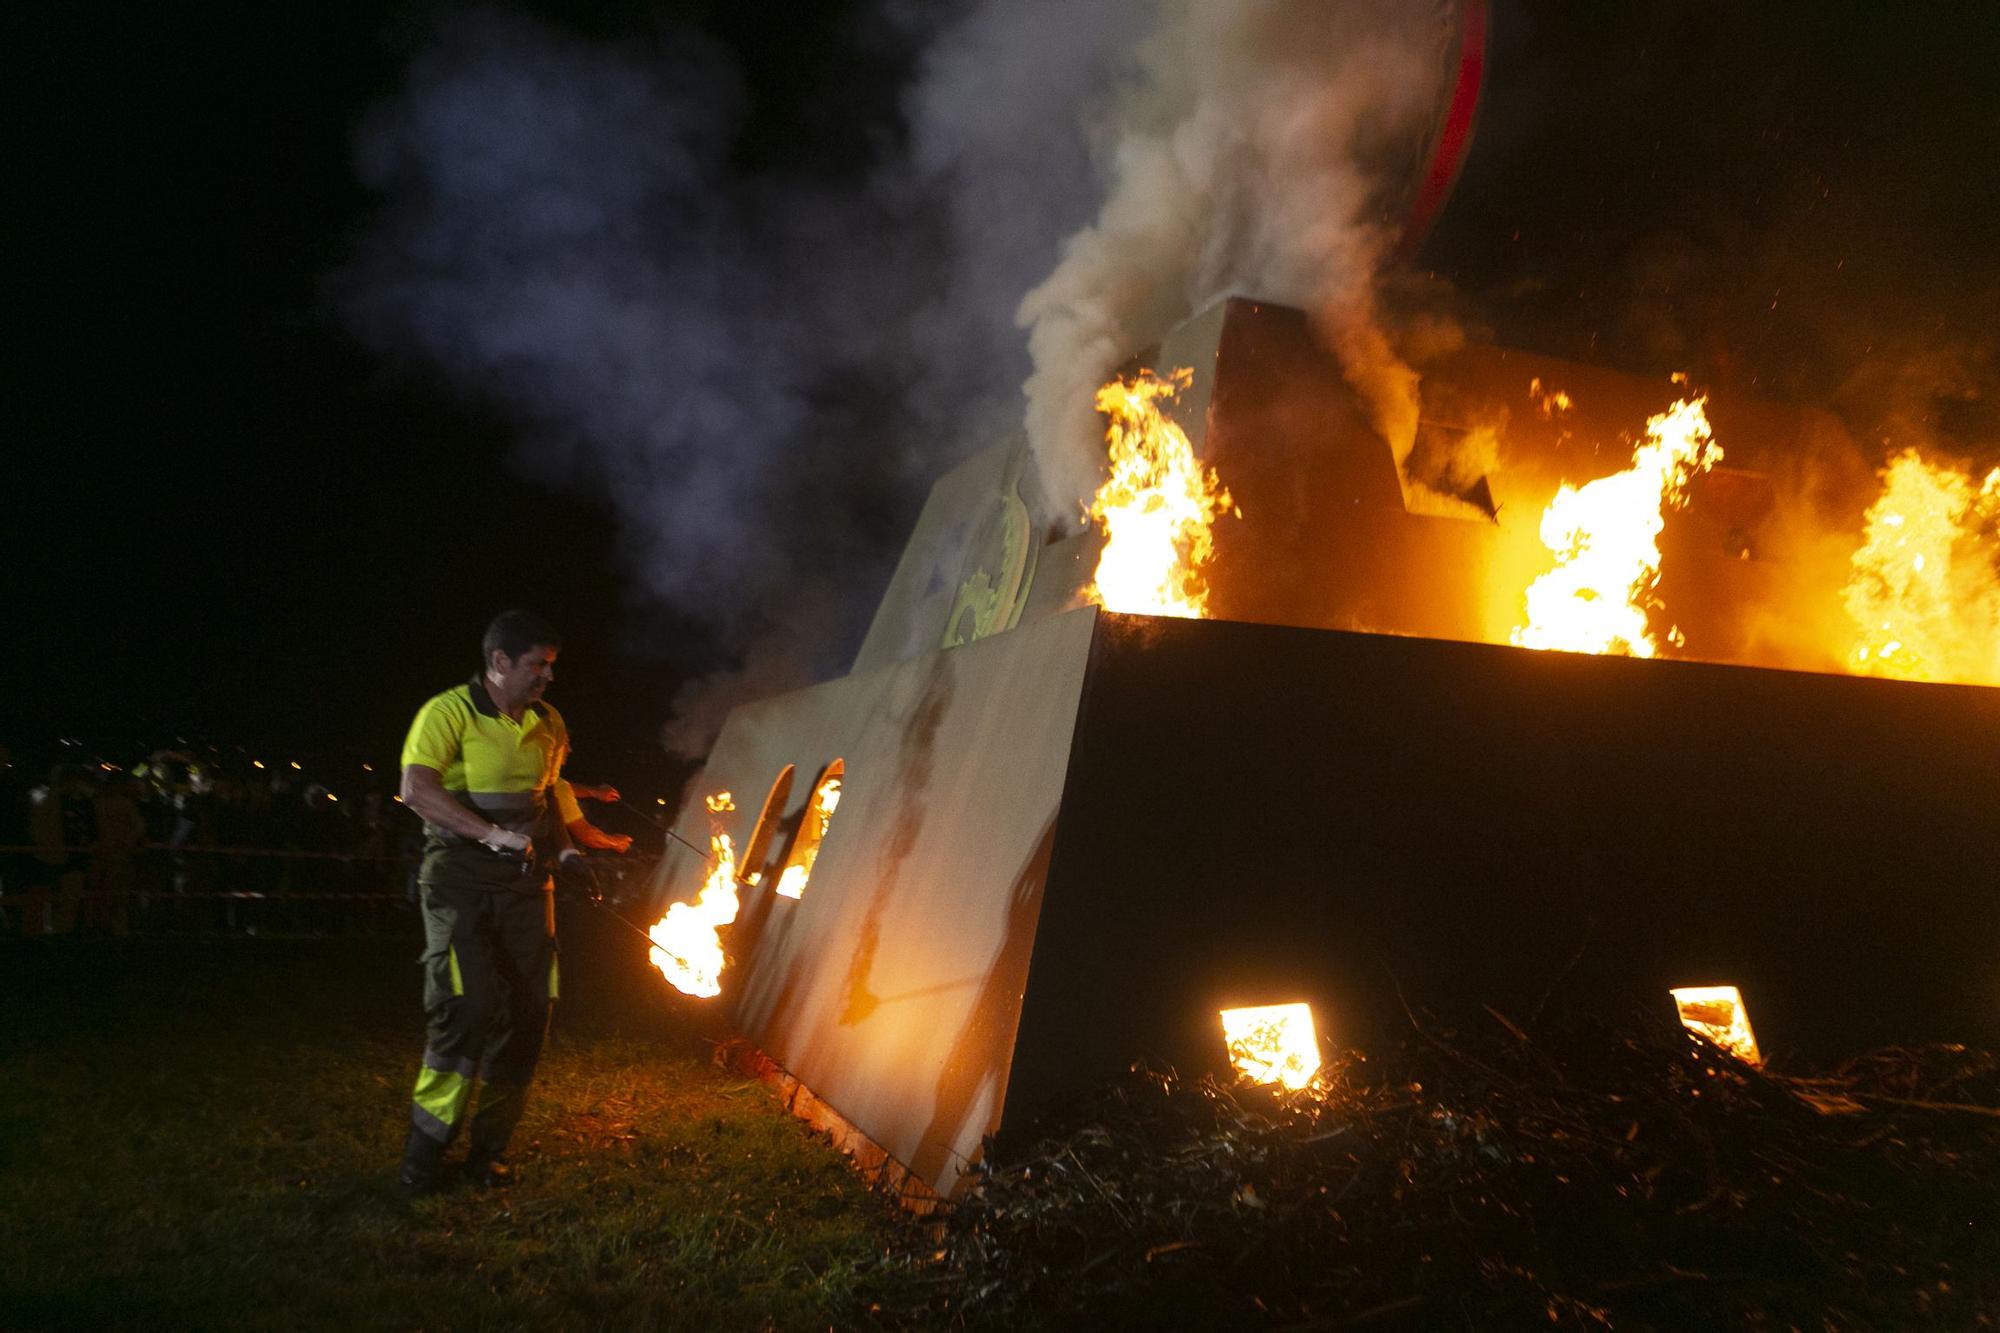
pixel 514 633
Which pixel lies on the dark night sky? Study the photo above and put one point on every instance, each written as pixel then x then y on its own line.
pixel 249 529
pixel 234 522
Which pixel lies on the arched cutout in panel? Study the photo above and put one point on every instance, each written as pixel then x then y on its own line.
pixel 751 868
pixel 812 830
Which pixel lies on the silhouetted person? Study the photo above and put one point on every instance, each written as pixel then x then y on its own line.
pixel 64 828
pixel 15 866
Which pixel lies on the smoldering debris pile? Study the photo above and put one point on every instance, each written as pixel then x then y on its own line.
pixel 1635 1177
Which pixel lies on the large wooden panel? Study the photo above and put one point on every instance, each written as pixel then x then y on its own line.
pixel 892 987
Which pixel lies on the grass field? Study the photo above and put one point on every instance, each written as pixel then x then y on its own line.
pixel 203 1133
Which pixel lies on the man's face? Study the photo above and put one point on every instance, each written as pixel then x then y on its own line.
pixel 518 681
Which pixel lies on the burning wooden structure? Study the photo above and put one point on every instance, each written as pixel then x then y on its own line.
pixel 1065 838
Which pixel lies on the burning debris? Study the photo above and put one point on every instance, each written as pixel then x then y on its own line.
pixel 1603 1177
pixel 1675 555
pixel 1925 590
pixel 1606 539
pixel 687 941
pixel 1157 507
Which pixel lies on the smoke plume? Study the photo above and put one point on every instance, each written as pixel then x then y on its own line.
pixel 1248 155
pixel 763 370
pixel 763 362
pixel 560 232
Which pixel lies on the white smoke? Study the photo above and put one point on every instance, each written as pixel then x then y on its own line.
pixel 1252 153
pixel 763 373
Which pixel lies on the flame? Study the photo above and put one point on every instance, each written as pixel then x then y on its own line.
pixel 1156 507
pixel 792 884
pixel 687 943
pixel 1718 1013
pixel 1273 1043
pixel 1606 539
pixel 1925 590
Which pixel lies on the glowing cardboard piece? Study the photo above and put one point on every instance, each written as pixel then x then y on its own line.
pixel 812 832
pixel 1718 1013
pixel 1273 1043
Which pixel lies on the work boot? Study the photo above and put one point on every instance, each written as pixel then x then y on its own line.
pixel 489 1170
pixel 423 1157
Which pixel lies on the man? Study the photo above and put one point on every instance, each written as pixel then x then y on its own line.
pixel 479 767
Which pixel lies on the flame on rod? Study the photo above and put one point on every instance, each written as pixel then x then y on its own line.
pixel 687 941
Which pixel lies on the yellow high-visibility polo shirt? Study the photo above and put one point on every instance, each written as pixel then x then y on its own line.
pixel 500 769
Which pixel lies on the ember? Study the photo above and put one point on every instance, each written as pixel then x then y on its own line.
pixel 1551 401
pixel 1606 539
pixel 1157 506
pixel 1273 1043
pixel 687 945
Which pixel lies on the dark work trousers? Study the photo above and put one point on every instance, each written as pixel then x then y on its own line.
pixel 490 980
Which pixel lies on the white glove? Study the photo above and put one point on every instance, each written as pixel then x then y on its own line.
pixel 566 855
pixel 508 843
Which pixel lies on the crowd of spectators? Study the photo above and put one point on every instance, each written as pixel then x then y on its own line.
pixel 180 840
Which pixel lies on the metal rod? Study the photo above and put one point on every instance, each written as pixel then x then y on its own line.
pixel 693 847
pixel 621 920
pixel 698 850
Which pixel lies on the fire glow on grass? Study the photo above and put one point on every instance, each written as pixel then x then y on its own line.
pixel 1156 508
pixel 1606 539
pixel 687 945
pixel 792 884
pixel 1718 1013
pixel 1924 593
pixel 1272 1043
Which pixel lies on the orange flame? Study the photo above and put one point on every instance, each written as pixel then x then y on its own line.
pixel 687 941
pixel 792 884
pixel 1925 590
pixel 1606 539
pixel 1156 507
